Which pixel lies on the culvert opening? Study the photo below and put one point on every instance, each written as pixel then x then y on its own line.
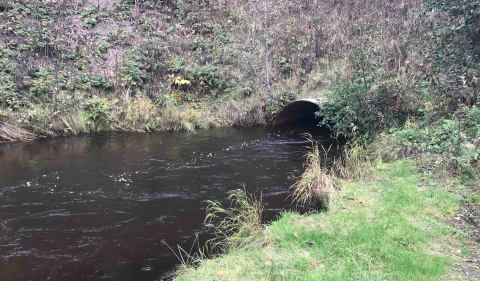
pixel 300 116
pixel 300 113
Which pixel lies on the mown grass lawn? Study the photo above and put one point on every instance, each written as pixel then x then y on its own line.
pixel 389 228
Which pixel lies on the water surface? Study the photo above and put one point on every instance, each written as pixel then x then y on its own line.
pixel 97 207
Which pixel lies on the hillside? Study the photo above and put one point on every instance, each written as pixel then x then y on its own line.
pixel 69 66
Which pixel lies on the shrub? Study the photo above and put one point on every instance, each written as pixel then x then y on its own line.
pixel 91 16
pixel 97 114
pixel 210 83
pixel 369 100
pixel 101 82
pixel 456 138
pixel 43 85
pixel 133 72
pixel 175 65
pixel 9 96
pixel 448 50
pixel 198 45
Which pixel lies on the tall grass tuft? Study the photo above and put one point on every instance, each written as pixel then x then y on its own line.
pixel 184 117
pixel 138 112
pixel 75 121
pixel 317 184
pixel 192 258
pixel 243 112
pixel 240 225
pixel 355 161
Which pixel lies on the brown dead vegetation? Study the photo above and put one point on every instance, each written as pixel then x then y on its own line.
pixel 10 132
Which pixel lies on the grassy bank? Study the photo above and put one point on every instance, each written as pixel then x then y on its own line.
pixel 139 115
pixel 391 227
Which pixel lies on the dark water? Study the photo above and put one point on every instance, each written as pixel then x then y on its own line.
pixel 97 207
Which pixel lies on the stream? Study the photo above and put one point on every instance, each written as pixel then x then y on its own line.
pixel 97 207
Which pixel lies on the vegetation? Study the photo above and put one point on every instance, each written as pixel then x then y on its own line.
pixel 389 228
pixel 84 66
pixel 237 226
pixel 420 100
pixel 61 57
pixel 379 63
pixel 401 80
pixel 403 86
pixel 317 184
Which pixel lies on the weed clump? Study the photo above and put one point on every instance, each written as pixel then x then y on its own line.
pixel 355 161
pixel 317 184
pixel 240 225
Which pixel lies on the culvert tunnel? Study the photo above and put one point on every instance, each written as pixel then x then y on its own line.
pixel 300 112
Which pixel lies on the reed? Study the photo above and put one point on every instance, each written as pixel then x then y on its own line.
pixel 75 121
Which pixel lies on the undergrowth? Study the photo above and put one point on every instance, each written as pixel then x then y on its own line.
pixel 390 227
pixel 136 114
pixel 317 184
pixel 237 226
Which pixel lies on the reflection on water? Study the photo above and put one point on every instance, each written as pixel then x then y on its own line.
pixel 98 206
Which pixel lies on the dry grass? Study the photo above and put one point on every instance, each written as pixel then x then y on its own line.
pixel 245 112
pixel 317 183
pixel 138 112
pixel 184 118
pixel 10 132
pixel 75 121
pixel 355 161
pixel 238 226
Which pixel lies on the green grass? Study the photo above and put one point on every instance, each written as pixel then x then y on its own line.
pixel 390 228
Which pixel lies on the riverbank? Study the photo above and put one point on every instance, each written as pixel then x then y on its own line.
pixel 134 115
pixel 396 226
